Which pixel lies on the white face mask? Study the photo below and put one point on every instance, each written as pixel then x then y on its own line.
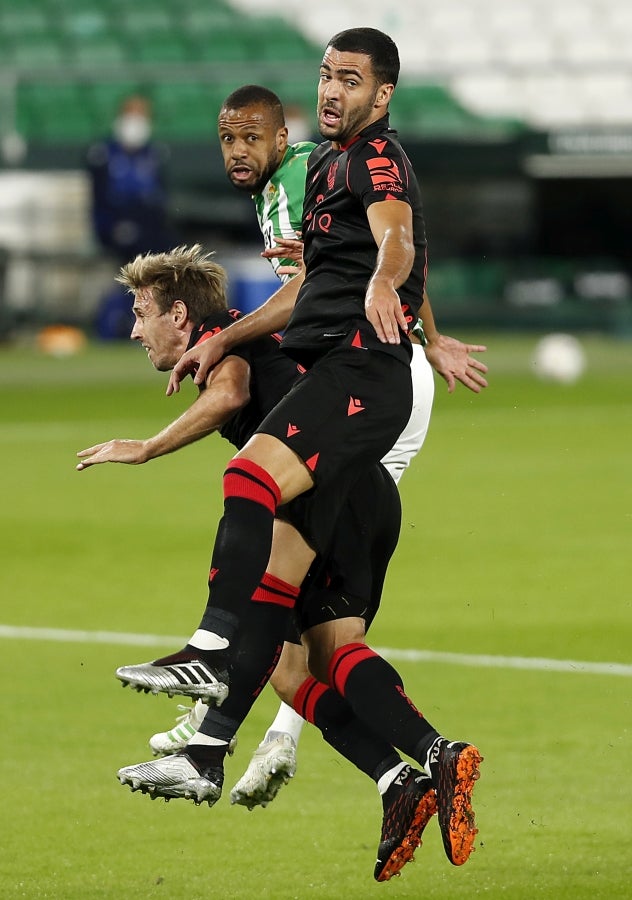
pixel 132 130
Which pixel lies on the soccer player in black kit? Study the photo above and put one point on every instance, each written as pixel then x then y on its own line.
pixel 346 320
pixel 180 300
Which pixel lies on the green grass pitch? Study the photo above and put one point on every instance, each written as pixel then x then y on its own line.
pixel 515 542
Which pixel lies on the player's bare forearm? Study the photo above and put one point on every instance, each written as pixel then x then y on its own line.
pixel 226 393
pixel 391 226
pixel 194 424
pixel 131 452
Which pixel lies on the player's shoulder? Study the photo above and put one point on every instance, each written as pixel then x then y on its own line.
pixel 213 324
pixel 302 148
pixel 298 154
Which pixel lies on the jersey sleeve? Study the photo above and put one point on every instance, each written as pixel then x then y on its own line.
pixel 378 172
pixel 213 325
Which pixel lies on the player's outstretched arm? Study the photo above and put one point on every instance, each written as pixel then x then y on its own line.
pixel 227 391
pixel 272 316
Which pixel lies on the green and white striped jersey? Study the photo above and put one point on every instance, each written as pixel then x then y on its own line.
pixel 280 204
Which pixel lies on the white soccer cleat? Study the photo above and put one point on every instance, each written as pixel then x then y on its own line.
pixel 165 743
pixel 174 777
pixel 272 765
pixel 188 678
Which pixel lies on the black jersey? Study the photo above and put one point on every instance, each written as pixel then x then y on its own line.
pixel 271 375
pixel 339 249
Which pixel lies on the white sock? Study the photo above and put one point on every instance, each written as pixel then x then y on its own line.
pixel 286 721
pixel 208 640
pixel 389 777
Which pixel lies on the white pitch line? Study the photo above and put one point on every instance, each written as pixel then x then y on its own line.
pixel 539 664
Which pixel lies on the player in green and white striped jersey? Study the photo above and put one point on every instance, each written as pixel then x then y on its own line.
pixel 259 159
pixel 279 205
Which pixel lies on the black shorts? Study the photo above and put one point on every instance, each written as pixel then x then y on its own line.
pixel 341 417
pixel 348 581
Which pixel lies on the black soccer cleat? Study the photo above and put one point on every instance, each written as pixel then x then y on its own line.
pixel 409 804
pixel 454 770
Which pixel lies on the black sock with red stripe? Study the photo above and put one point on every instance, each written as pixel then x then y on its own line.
pixel 375 692
pixel 242 546
pixel 253 654
pixel 354 740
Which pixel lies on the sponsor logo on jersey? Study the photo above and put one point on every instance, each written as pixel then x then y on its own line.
pixel 385 174
pixel 355 406
pixel 292 430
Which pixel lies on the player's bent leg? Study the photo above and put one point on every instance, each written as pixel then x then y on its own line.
pixel 324 639
pixel 273 763
pixel 287 470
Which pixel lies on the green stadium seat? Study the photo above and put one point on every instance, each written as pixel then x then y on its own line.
pixel 104 99
pixel 274 40
pixel 160 48
pixel 142 22
pixel 54 112
pixel 17 21
pixel 183 110
pixel 221 45
pixel 99 50
pixel 429 110
pixel 37 51
pixel 84 23
pixel 199 18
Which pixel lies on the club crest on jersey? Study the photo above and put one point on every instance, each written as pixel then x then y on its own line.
pixel 331 175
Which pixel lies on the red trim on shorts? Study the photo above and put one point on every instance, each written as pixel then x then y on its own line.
pixel 343 661
pixel 306 698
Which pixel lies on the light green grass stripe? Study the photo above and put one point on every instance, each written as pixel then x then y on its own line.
pixel 457 659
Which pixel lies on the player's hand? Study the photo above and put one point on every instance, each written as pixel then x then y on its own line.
pixel 384 311
pixel 451 359
pixel 285 248
pixel 117 451
pixel 198 361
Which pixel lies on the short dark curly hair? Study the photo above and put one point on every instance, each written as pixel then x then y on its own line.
pixel 377 45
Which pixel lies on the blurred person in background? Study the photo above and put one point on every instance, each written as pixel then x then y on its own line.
pixel 129 211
